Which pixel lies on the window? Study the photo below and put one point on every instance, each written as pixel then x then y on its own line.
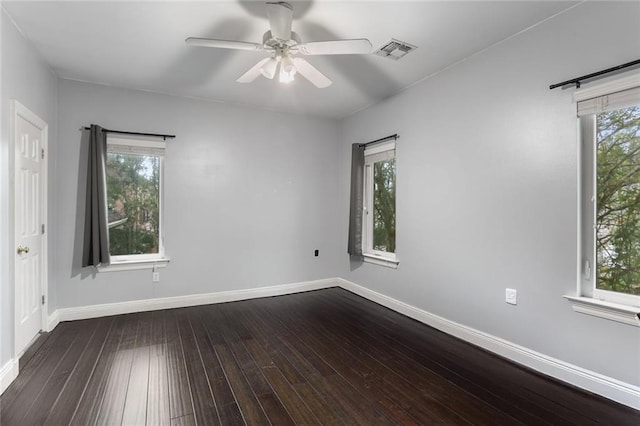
pixel 379 218
pixel 134 200
pixel 610 194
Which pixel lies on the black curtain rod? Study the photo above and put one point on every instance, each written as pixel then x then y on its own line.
pixel 577 81
pixel 120 132
pixel 395 136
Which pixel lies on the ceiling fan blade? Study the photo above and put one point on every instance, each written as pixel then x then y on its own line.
pixel 253 73
pixel 223 44
pixel 280 16
pixel 336 47
pixel 310 72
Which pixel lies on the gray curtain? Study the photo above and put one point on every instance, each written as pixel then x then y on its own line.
pixel 96 233
pixel 357 198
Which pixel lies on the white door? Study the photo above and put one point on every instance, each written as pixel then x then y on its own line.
pixel 29 138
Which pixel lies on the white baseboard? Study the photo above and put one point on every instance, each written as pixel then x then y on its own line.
pixel 8 373
pixel 608 387
pixel 108 309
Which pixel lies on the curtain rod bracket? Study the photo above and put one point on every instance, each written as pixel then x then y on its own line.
pixel 121 132
pixel 386 138
pixel 578 81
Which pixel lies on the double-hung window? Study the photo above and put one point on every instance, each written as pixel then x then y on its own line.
pixel 379 217
pixel 134 175
pixel 609 118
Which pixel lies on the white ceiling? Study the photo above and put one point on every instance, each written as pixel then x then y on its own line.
pixel 140 45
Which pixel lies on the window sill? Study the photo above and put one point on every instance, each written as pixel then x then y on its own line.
pixel 612 311
pixel 379 260
pixel 130 265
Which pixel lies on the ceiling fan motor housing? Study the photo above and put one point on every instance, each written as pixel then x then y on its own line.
pixel 269 41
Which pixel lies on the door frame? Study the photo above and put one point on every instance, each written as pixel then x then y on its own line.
pixel 19 110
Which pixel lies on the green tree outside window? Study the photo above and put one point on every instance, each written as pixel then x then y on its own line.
pixel 133 189
pixel 618 200
pixel 384 206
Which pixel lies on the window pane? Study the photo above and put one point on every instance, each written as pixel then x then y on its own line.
pixel 384 206
pixel 133 196
pixel 618 200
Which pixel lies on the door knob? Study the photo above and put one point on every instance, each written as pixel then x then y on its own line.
pixel 22 249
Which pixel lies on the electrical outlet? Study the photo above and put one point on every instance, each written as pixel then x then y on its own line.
pixel 155 277
pixel 510 296
pixel 316 253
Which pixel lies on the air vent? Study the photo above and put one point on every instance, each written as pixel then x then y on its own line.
pixel 395 49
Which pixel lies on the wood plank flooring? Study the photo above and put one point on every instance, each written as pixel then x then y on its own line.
pixel 321 357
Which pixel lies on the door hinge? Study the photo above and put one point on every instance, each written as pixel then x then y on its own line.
pixel 43 299
pixel 42 153
pixel 43 228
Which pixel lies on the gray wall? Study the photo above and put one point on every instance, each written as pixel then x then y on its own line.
pixel 487 189
pixel 26 78
pixel 249 195
pixel 487 185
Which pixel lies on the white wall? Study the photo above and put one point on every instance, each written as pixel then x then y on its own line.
pixel 249 195
pixel 487 189
pixel 28 79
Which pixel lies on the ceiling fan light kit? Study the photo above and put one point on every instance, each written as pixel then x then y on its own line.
pixel 283 45
pixel 269 68
pixel 287 70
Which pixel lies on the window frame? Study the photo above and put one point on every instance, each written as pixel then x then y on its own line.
pixel 372 155
pixel 150 147
pixel 621 307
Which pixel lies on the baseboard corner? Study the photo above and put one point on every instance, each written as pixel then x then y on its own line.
pixel 52 321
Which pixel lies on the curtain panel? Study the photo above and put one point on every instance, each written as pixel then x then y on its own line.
pixel 357 200
pixel 96 233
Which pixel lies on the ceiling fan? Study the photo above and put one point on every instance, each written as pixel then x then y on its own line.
pixel 283 45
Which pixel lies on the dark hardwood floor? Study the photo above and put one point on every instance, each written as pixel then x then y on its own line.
pixel 321 357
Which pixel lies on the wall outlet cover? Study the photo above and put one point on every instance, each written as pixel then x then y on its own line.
pixel 511 296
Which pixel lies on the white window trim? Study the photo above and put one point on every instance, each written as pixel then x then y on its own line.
pixel 133 264
pixel 603 89
pixel 603 309
pixel 141 261
pixel 623 308
pixel 370 255
pixel 380 260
